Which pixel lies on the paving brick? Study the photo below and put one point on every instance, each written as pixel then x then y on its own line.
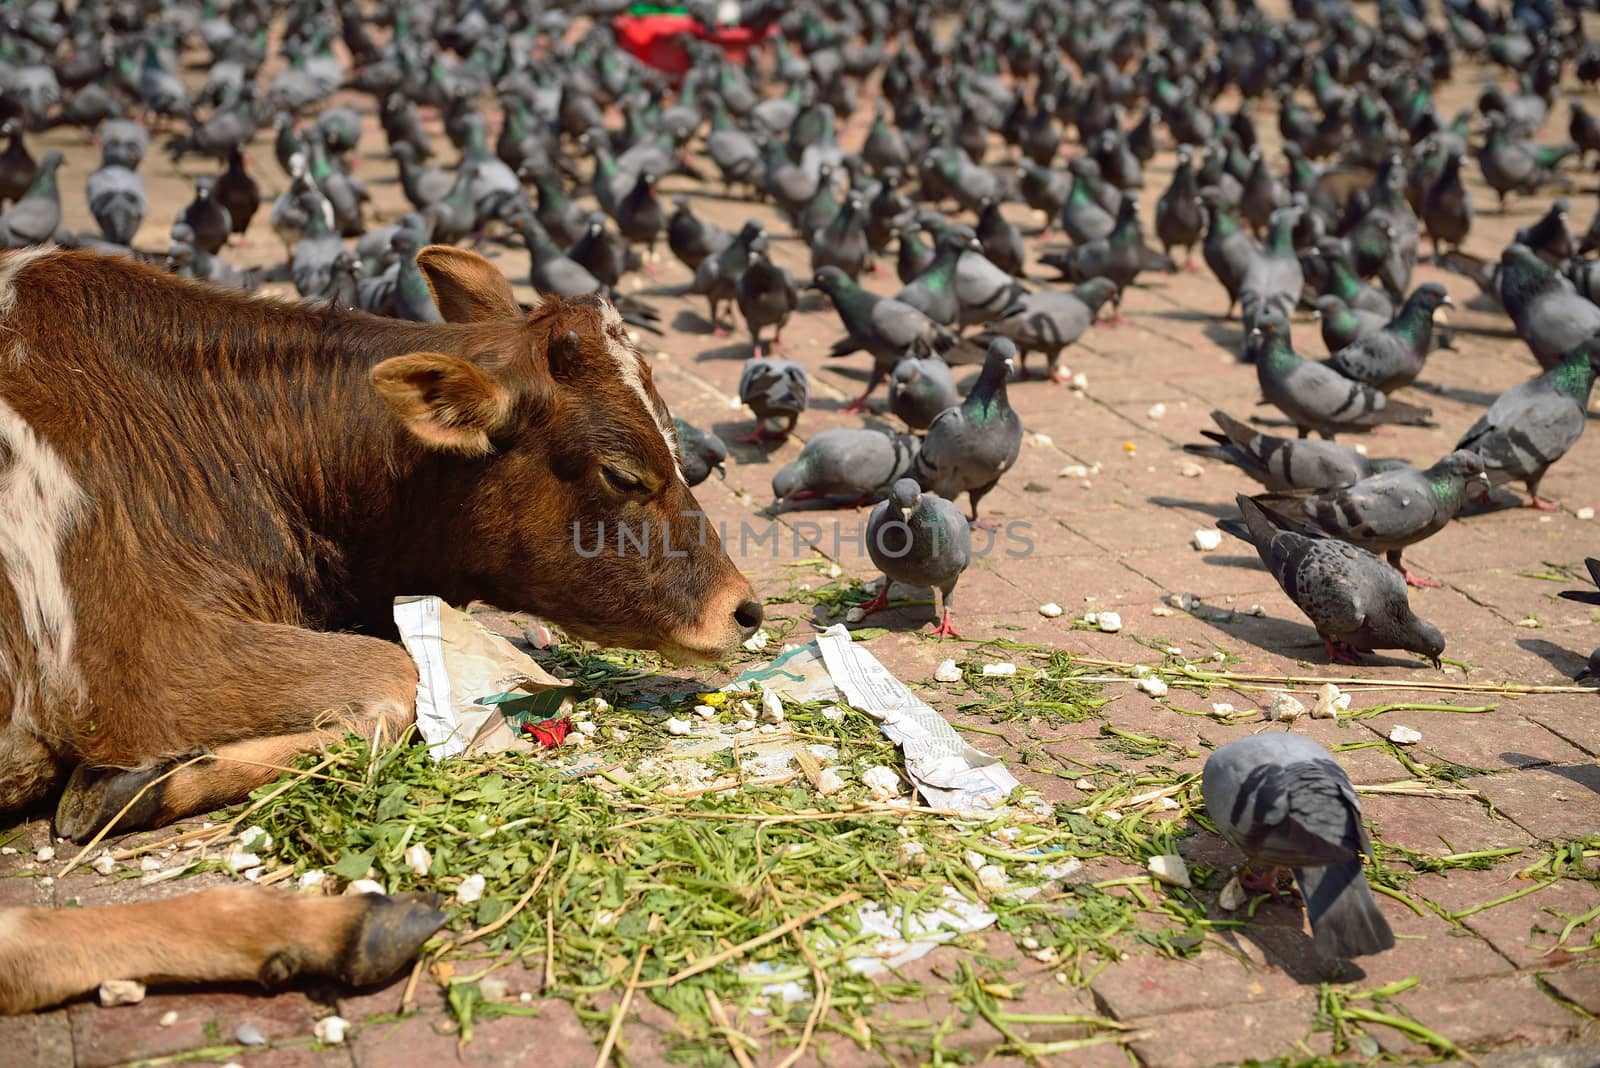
pixel 1578 984
pixel 1438 826
pixel 1147 985
pixel 43 1039
pixel 553 1036
pixel 1228 1036
pixel 1483 1013
pixel 1549 803
pixel 111 1036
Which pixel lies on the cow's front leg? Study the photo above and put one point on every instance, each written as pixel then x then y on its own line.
pixel 286 693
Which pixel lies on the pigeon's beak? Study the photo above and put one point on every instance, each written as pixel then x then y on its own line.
pixel 1585 674
pixel 1011 367
pixel 1316 315
pixel 1437 663
pixel 722 470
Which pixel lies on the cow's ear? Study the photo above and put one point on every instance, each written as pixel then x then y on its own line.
pixel 445 403
pixel 465 286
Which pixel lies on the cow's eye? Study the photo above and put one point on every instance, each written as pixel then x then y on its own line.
pixel 622 481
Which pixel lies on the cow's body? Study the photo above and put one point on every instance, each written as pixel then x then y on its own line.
pixel 201 494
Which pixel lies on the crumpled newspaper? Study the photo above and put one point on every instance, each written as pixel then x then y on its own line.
pixel 470 679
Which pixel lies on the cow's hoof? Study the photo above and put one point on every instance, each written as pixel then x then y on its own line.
pixel 388 934
pixel 95 795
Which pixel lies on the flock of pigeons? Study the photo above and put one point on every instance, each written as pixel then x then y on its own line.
pixel 1059 104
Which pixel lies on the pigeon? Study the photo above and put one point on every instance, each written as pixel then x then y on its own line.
pixel 640 218
pixel 1343 282
pixel 118 203
pixel 1228 248
pixel 885 328
pixel 206 216
pixel 918 539
pixel 851 462
pixel 700 451
pixel 920 387
pixel 1390 510
pixel 1286 465
pixel 842 243
pixel 311 264
pixel 1282 801
pixel 1000 239
pixel 1551 237
pixel 413 298
pixel 1273 279
pixel 1343 325
pixel 1180 213
pixel 1355 600
pixel 1049 321
pixel 1513 165
pixel 1393 357
pixel 1045 190
pixel 717 277
pixel 766 296
pixel 1316 397
pixel 600 251
pixel 237 192
pixel 35 216
pixel 984 290
pixel 970 446
pixel 1532 425
pixel 692 239
pixel 1084 217
pixel 776 391
pixel 1548 312
pixel 18 168
pixel 1447 207
pixel 1119 256
pixel 933 291
pixel 1590 670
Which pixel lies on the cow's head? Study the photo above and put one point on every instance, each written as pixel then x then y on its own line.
pixel 577 510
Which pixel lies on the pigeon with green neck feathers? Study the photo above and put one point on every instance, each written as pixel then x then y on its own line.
pixel 1084 216
pixel 1447 207
pixel 1550 315
pixel 918 539
pixel 933 292
pixel 1344 283
pixel 1180 215
pixel 1512 164
pixel 1228 249
pixel 1342 325
pixel 843 242
pixel 1388 511
pixel 1316 397
pixel 912 255
pixel 1119 257
pixel 884 328
pixel 1393 357
pixel 920 387
pixel 1532 425
pixel 1355 600
pixel 1273 279
pixel 970 446
pixel 36 215
pixel 717 277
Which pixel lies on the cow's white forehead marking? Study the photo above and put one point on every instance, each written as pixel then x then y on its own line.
pixel 628 368
pixel 39 505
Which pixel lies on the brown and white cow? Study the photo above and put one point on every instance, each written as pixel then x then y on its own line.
pixel 207 505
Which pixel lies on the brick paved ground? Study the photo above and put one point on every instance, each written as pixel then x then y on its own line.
pixel 1490 980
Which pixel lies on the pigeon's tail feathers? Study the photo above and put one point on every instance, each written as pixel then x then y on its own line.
pixel 1345 919
pixel 845 346
pixel 1232 430
pixel 1235 526
pixel 1403 414
pixel 1594 569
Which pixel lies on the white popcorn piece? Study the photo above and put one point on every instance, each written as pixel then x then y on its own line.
pixel 1080 382
pixel 835 571
pixel 586 728
pixel 1169 868
pixel 1585 513
pixel 1051 610
pixel 1256 611
pixel 364 886
pixel 678 726
pixel 1528 623
pixel 313 880
pixel 771 707
pixel 855 615
pixel 1004 668
pixel 757 641
pixel 1284 707
pixel 829 783
pixel 1232 896
pixel 240 859
pixel 1074 471
pixel 1030 943
pixel 248 1034
pixel 601 706
pixel 149 864
pixel 331 1030
pixel 882 783
pixel 1405 735
pixel 8 851
pixel 1156 411
pixel 744 725
pixel 833 713
pixel 1190 469
pixel 948 671
pixel 1206 539
pixel 619 735
pixel 104 864
pixel 493 988
pixel 121 992
pixel 1045 955
pixel 1173 650
pixel 1109 622
pixel 418 859
pixel 768 728
pixel 705 711
pixel 993 878
pixel 1161 610
pixel 1153 686
pixel 1085 785
pixel 1222 708
pixel 1359 447
pixel 471 889
pixel 974 859
pixel 1330 702
pixel 255 839
pixel 1187 602
pixel 1043 440
pixel 46 854
pixel 168 1018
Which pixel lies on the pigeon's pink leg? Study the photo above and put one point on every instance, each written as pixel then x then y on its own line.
pixel 1416 581
pixel 760 435
pixel 879 599
pixel 1340 654
pixel 858 405
pixel 945 629
pixel 1266 883
pixel 1543 505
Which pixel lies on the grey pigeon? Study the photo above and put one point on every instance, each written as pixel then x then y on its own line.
pixel 1548 312
pixel 933 291
pixel 1343 325
pixel 1048 322
pixel 918 539
pixel 693 239
pixel 1228 247
pixel 1286 465
pixel 1390 510
pixel 842 243
pixel 717 277
pixel 700 452
pixel 920 387
pixel 311 263
pixel 851 462
pixel 776 391
pixel 968 447
pixel 766 296
pixel 118 202
pixel 210 221
pixel 1316 397
pixel 1393 357
pixel 1273 278
pixel 885 328
pixel 36 215
pixel 1532 425
pixel 1356 601
pixel 984 290
pixel 1282 801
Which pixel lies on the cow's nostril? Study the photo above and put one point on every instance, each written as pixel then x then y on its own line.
pixel 749 615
